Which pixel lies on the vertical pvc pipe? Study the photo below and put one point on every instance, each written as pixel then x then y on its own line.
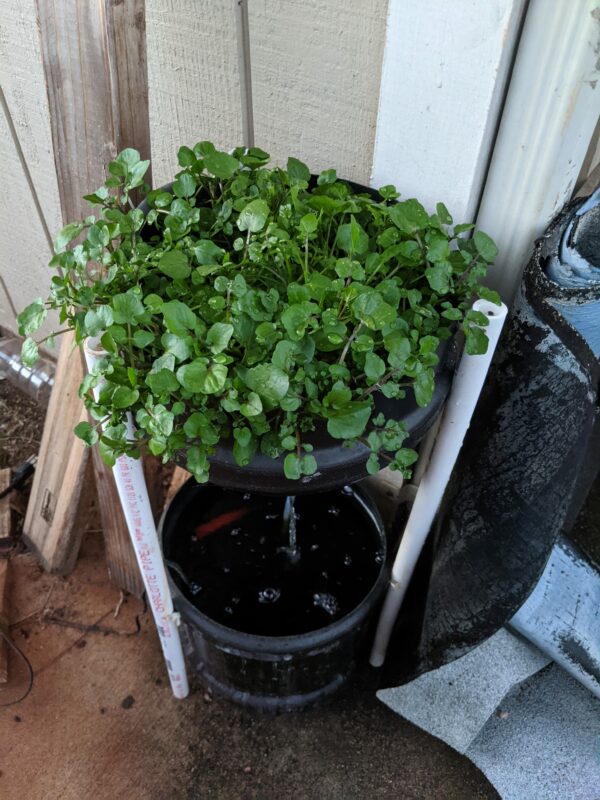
pixel 243 48
pixel 133 494
pixel 466 388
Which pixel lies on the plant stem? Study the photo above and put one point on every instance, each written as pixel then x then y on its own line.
pixel 351 338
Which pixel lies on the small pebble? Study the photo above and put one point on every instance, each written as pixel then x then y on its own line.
pixel 103 711
pixel 207 697
pixel 158 682
pixel 248 769
pixel 502 714
pixel 17 718
pixel 128 701
pixel 81 643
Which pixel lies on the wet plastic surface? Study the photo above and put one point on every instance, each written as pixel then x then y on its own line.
pixel 282 672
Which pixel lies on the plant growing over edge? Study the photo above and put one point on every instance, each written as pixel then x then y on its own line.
pixel 254 304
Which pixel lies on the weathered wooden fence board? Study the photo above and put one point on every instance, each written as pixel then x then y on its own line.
pixel 91 113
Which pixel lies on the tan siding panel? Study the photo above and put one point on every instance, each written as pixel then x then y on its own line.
pixel 23 247
pixel 193 80
pixel 316 68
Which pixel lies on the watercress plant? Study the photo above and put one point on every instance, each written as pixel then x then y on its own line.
pixel 254 304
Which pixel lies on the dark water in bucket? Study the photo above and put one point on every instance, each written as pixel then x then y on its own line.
pixel 233 550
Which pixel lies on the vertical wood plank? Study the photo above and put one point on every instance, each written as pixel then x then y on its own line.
pixel 95 67
pixel 4 620
pixel 50 527
pixel 316 68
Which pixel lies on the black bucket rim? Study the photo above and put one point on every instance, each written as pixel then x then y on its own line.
pixel 240 642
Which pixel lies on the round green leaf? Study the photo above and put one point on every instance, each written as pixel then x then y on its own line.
pixel 253 216
pixel 174 263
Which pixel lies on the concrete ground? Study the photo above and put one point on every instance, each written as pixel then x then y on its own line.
pixel 100 721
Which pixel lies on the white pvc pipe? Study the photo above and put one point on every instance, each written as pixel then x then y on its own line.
pixel 133 494
pixel 466 388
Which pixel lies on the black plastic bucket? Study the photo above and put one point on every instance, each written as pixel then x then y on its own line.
pixel 273 673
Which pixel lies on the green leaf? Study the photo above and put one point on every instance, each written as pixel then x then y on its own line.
pixel 485 246
pixel 191 376
pixel 438 249
pixel 174 263
pixel 221 165
pixel 179 346
pixel 97 320
pixel 296 317
pixel 136 174
pixel 185 185
pixel 374 367
pixel 142 338
pixel 29 352
pixel 127 307
pixel 244 446
pixel 162 382
pixel 489 294
pixel 124 397
pixel 68 233
pixel 218 336
pixel 253 216
pixel 423 387
pixel 292 467
pixel 197 463
pixel 297 171
pixel 308 464
pixel 339 397
pixel 85 432
pixel 443 214
pixel 179 318
pixel 308 224
pixel 327 177
pixel 207 253
pixel 476 340
pixel 373 466
pixel 32 317
pixel 253 405
pixel 186 157
pixel 268 381
pixel 370 308
pixel 439 276
pixel 350 421
pixel 352 239
pixel 409 216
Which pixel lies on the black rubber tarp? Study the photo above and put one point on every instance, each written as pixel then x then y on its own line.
pixel 525 468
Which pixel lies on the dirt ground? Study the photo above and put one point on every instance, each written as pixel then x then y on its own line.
pixel 100 720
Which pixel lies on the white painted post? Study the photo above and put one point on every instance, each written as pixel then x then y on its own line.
pixel 551 110
pixel 445 67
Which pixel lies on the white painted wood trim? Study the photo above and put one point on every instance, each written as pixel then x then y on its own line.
pixel 550 114
pixel 445 68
